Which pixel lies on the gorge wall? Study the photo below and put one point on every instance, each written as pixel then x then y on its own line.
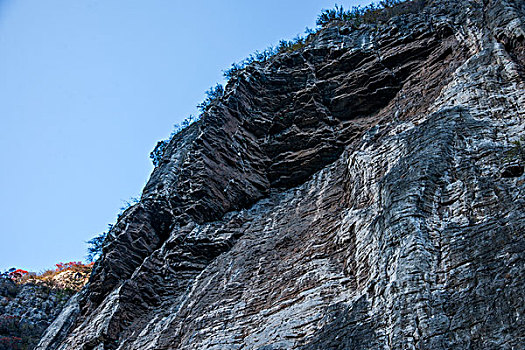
pixel 356 193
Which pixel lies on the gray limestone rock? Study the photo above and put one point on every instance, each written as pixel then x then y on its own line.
pixel 26 310
pixel 353 194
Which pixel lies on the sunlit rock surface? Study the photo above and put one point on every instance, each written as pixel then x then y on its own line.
pixel 354 194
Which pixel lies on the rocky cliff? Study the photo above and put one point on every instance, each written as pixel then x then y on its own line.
pixel 361 192
pixel 30 302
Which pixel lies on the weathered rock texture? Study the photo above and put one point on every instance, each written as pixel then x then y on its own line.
pixel 25 313
pixel 348 195
pixel 29 305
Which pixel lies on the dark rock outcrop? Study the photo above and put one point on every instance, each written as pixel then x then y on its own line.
pixel 345 195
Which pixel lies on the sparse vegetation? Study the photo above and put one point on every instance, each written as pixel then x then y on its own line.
pixel 29 301
pixel 158 152
pixel 212 96
pixel 127 204
pixel 262 56
pixel 52 278
pixel 514 160
pixel 96 243
pixel 373 13
pixel 14 274
pixel 185 123
pixel 517 151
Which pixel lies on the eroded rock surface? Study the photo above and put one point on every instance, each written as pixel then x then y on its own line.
pixel 29 304
pixel 348 195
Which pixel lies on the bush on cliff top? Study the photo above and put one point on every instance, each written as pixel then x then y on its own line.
pixel 54 278
pixel 96 243
pixel 158 152
pixel 356 16
pixel 213 95
pixel 372 13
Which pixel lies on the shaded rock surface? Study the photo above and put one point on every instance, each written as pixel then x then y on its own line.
pixel 345 195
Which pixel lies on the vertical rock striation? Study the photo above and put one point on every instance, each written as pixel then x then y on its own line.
pixel 347 195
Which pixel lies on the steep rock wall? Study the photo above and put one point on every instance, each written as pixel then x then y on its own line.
pixel 345 195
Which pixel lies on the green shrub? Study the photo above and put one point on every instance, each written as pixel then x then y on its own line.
pixel 357 15
pixel 257 56
pixel 517 151
pixel 212 96
pixel 158 152
pixel 96 243
pixel 372 13
pixel 297 43
pixel 263 56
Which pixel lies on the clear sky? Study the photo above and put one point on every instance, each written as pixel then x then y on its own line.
pixel 87 88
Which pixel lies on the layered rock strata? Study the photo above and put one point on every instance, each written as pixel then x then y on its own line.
pixel 356 193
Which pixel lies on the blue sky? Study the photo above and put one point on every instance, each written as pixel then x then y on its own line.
pixel 87 88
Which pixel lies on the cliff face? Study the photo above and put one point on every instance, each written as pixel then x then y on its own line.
pixel 25 313
pixel 355 193
pixel 28 305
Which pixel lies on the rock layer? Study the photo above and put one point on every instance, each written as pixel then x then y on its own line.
pixel 345 195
